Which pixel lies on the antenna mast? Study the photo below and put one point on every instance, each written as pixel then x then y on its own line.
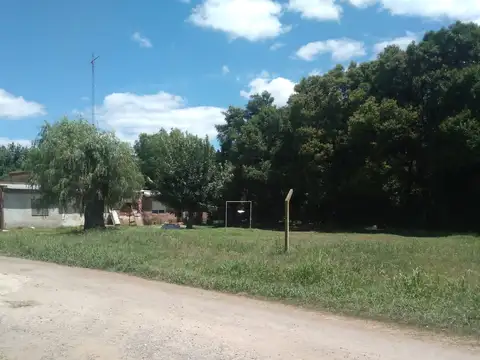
pixel 93 88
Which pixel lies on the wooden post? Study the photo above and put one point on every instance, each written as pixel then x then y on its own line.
pixel 2 223
pixel 226 214
pixel 287 220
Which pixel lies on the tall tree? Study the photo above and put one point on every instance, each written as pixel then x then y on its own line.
pixel 184 169
pixel 250 139
pixel 393 140
pixel 75 164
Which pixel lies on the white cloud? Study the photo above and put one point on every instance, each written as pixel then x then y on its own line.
pixel 276 46
pixel 16 107
pixel 279 87
pixel 141 40
pixel 402 42
pixel 225 70
pixel 23 142
pixel 79 113
pixel 315 72
pixel 341 49
pixel 362 3
pixel 316 9
pixel 131 114
pixel 250 19
pixel 466 10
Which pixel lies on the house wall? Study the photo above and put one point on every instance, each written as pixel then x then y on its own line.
pixel 17 212
pixel 158 207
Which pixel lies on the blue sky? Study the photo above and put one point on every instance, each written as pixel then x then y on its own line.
pixel 180 63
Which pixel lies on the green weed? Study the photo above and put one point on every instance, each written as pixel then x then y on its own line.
pixel 428 282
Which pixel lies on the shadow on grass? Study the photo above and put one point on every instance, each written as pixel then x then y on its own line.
pixel 74 231
pixel 419 233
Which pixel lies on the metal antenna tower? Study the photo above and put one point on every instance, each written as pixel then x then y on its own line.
pixel 93 88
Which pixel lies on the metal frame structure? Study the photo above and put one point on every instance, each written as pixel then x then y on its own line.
pixel 241 202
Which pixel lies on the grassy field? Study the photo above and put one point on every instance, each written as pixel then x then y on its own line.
pixel 427 282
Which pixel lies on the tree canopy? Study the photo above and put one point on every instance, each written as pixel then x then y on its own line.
pixel 183 168
pixel 392 141
pixel 12 158
pixel 75 164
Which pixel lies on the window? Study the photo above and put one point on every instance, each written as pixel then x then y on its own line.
pixel 37 209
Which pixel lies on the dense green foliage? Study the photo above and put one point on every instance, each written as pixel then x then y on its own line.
pixel 78 166
pixel 12 158
pixel 407 280
pixel 183 168
pixel 392 141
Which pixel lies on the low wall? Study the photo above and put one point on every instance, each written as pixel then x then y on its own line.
pixel 149 218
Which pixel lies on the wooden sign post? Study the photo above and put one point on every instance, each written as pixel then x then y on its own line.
pixel 287 220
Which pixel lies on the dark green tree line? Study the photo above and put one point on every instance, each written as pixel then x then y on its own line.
pixel 392 141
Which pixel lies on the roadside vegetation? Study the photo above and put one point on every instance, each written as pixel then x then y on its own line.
pixel 423 281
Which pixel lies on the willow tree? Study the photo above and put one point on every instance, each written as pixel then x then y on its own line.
pixel 184 169
pixel 75 164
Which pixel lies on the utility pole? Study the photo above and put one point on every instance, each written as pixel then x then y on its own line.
pixel 93 88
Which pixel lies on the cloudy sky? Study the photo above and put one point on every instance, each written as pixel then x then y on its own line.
pixel 180 63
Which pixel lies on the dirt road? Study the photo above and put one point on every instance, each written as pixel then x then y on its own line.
pixel 53 312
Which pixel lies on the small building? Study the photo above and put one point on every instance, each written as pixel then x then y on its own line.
pixel 19 206
pixel 146 210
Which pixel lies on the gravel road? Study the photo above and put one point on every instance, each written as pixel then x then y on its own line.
pixel 54 312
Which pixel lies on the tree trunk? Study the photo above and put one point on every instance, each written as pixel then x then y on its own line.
pixel 190 220
pixel 178 215
pixel 93 214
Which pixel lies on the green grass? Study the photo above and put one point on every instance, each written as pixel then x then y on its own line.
pixel 427 282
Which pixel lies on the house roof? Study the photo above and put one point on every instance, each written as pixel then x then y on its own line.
pixel 18 186
pixel 27 186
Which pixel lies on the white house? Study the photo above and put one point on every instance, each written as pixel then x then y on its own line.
pixel 18 207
